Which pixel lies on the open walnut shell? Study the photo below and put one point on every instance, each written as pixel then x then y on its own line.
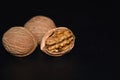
pixel 58 41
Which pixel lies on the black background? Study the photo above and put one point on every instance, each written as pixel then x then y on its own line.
pixel 90 59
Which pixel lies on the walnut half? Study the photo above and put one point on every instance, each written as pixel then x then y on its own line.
pixel 58 41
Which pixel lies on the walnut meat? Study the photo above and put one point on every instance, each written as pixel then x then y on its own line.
pixel 39 25
pixel 19 41
pixel 58 41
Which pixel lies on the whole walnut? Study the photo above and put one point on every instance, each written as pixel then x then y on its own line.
pixel 39 25
pixel 58 41
pixel 19 41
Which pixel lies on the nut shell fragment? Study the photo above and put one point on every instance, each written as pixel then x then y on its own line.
pixel 58 41
pixel 19 41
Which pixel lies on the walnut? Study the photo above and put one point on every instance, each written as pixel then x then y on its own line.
pixel 58 41
pixel 39 25
pixel 19 41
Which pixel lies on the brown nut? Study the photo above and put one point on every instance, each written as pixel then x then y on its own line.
pixel 39 25
pixel 19 41
pixel 58 41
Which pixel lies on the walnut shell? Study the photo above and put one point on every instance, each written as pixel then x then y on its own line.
pixel 39 25
pixel 58 41
pixel 19 41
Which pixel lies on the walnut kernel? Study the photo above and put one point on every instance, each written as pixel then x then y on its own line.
pixel 58 41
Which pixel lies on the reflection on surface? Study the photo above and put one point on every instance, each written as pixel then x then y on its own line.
pixel 40 67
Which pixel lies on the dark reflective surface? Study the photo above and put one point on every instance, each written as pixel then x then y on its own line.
pixel 90 59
